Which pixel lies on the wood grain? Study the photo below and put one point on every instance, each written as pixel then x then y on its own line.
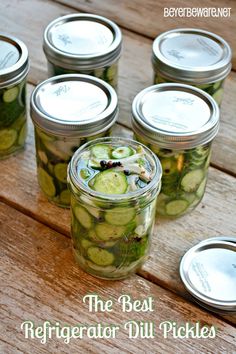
pixel 171 238
pixel 135 69
pixel 147 18
pixel 42 282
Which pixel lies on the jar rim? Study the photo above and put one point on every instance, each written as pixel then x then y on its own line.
pixel 77 61
pixel 146 121
pixel 167 64
pixel 62 123
pixel 18 71
pixel 74 181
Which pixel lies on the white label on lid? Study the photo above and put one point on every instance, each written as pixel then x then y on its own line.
pixel 175 111
pixel 9 55
pixel 71 100
pixel 191 50
pixel 81 37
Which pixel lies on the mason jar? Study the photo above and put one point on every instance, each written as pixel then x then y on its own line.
pixel 114 184
pixel 83 43
pixel 178 123
pixel 192 56
pixel 14 67
pixel 67 111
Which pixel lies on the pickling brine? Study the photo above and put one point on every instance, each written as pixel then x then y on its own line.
pixel 194 57
pixel 68 111
pixel 178 123
pixel 114 184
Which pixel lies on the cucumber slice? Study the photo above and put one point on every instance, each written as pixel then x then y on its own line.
pixel 100 256
pixel 169 166
pixel 9 113
pixel 22 94
pixel 119 216
pixel 42 156
pixel 191 181
pixel 93 236
pixel 60 171
pixel 107 232
pixel 93 211
pixel 11 94
pixel 46 182
pixel 110 182
pixel 7 138
pixel 201 188
pixel 84 218
pixel 112 72
pixel 103 270
pixel 101 151
pixel 86 243
pixel 122 152
pixel 65 197
pixel 176 207
pixel 45 136
pixel 217 85
pixel 218 95
pixel 22 134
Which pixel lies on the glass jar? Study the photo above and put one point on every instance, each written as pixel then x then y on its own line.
pixel 178 123
pixel 67 111
pixel 113 209
pixel 14 67
pixel 83 43
pixel 192 56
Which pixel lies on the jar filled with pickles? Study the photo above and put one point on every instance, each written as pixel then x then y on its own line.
pixel 85 44
pixel 67 111
pixel 192 56
pixel 114 184
pixel 178 123
pixel 14 67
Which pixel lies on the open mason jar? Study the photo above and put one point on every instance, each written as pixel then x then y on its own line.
pixel 178 122
pixel 67 111
pixel 14 67
pixel 192 56
pixel 114 184
pixel 83 43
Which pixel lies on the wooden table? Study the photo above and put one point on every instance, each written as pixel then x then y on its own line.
pixel 40 280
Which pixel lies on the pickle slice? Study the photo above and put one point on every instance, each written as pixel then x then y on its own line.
pixel 110 182
pixel 46 182
pixel 100 256
pixel 7 138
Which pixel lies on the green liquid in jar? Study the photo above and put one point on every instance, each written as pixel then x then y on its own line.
pixel 111 239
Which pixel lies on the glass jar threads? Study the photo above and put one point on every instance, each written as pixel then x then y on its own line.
pixel 83 43
pixel 178 122
pixel 114 184
pixel 14 67
pixel 192 56
pixel 67 111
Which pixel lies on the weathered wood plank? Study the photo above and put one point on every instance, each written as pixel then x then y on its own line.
pixel 147 18
pixel 135 69
pixel 171 238
pixel 40 282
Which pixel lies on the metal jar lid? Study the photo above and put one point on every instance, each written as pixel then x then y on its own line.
pixel 14 62
pixel 192 55
pixel 82 41
pixel 74 105
pixel 175 116
pixel 208 271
